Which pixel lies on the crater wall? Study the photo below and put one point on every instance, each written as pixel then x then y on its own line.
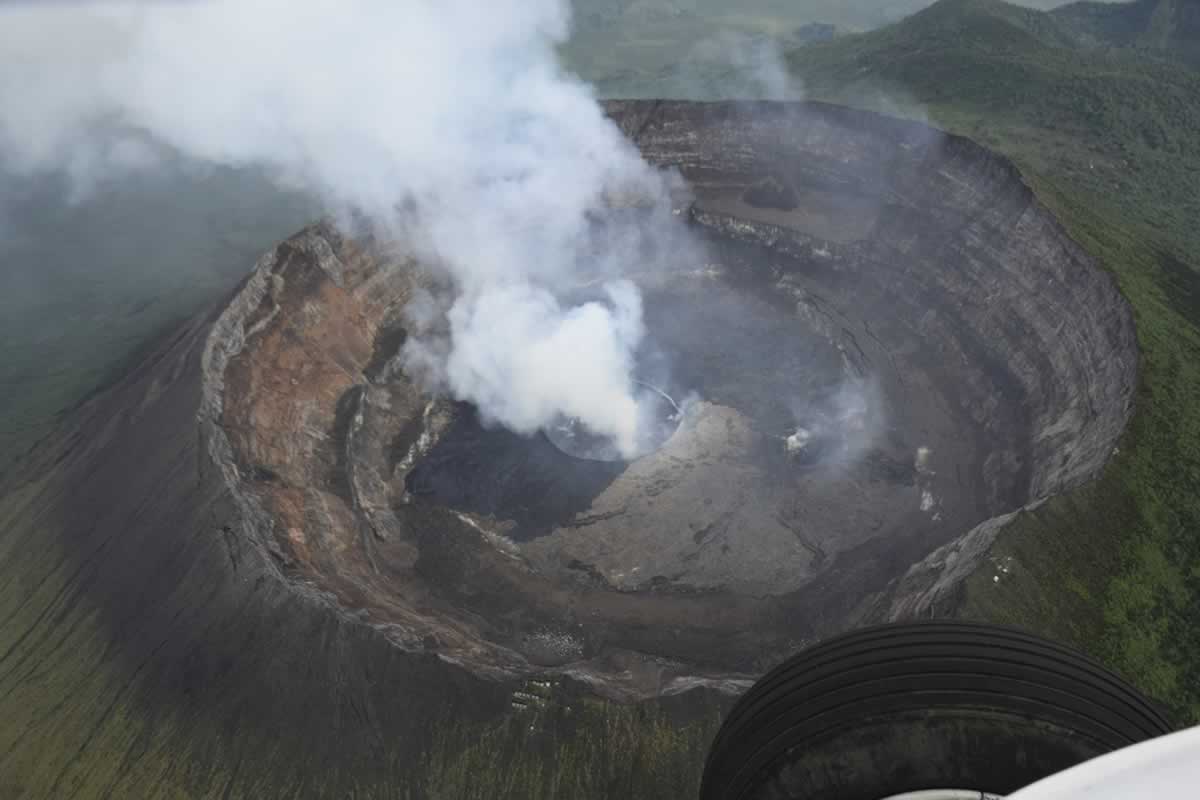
pixel 932 233
pixel 1000 363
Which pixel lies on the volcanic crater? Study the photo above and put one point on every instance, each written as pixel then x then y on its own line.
pixel 887 349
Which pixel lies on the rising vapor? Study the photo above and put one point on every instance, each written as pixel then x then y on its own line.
pixel 450 112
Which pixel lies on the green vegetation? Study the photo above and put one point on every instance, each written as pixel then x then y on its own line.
pixel 1113 125
pixel 1108 140
pixel 588 748
pixel 1168 28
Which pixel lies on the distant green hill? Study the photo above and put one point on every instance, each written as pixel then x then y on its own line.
pixel 1107 131
pixel 644 47
pixel 1169 27
pixel 1117 124
pixel 849 14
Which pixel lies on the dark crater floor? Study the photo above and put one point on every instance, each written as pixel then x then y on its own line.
pixel 737 346
pixel 494 473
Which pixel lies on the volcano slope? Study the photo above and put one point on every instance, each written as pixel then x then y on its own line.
pixel 266 561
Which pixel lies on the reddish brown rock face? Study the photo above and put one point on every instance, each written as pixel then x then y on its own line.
pixel 311 339
pixel 911 350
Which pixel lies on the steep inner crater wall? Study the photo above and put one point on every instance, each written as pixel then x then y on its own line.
pixel 886 345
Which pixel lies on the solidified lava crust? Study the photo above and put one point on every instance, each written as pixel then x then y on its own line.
pixel 879 371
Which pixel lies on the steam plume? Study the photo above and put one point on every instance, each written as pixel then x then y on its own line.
pixel 456 108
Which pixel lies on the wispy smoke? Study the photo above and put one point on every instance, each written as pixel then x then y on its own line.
pixel 745 66
pixel 455 111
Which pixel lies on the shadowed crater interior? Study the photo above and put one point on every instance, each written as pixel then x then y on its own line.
pixel 884 348
pixel 492 472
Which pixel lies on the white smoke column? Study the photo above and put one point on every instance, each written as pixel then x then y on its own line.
pixel 456 108
pixel 565 361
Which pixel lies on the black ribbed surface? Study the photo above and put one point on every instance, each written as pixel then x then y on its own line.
pixel 934 667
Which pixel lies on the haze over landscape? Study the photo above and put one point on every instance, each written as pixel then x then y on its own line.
pixel 297 531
